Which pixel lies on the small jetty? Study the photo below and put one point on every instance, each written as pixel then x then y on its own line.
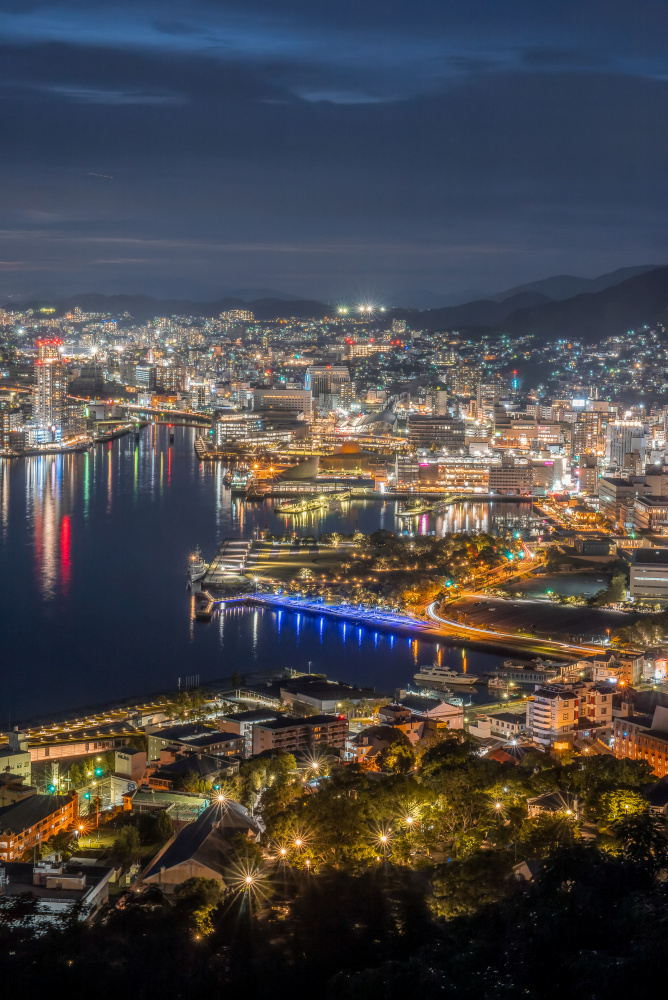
pixel 419 507
pixel 306 504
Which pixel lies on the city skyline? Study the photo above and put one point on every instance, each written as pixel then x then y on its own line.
pixel 384 153
pixel 333 498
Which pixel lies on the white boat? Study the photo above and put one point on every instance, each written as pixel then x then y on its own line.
pixel 196 567
pixel 435 674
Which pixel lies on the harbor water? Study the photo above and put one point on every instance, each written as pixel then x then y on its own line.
pixel 93 598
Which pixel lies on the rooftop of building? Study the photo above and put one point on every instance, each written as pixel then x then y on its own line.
pixel 508 717
pixel 151 798
pixel 295 723
pixel 422 703
pixel 554 694
pixel 20 879
pixel 650 557
pixel 254 715
pixel 318 685
pixel 211 738
pixel 615 481
pixel 7 751
pixel 183 731
pixel 26 813
pixel 208 840
pixel 202 764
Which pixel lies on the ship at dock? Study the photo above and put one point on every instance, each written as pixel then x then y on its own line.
pixel 434 675
pixel 196 567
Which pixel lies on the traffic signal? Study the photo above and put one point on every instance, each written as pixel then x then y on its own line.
pixel 98 772
pixel 86 795
pixel 51 788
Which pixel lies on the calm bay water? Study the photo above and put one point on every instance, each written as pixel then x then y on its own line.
pixel 93 598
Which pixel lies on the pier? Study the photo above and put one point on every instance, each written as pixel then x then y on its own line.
pixel 312 503
pixel 424 507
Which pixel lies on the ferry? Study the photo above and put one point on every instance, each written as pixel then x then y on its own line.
pixel 238 481
pixel 435 674
pixel 196 567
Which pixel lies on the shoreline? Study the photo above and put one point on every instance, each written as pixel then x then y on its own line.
pixel 79 448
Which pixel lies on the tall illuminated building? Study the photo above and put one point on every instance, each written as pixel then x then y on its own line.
pixel 48 401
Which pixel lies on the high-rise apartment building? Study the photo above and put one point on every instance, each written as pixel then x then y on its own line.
pixel 330 385
pixel 48 406
pixel 624 438
pixel 588 435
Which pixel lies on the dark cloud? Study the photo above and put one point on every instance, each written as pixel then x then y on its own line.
pixel 559 58
pixel 272 144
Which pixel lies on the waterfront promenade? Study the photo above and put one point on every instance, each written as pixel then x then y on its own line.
pixel 430 626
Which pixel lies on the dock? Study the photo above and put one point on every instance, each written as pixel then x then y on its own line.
pixel 312 503
pixel 423 507
pixel 230 562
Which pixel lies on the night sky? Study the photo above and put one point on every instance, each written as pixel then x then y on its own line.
pixel 329 150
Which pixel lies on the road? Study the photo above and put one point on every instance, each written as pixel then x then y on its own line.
pixel 489 636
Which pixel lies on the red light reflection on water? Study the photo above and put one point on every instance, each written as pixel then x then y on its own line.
pixel 65 567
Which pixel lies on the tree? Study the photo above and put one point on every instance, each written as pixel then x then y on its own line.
pixel 547 832
pixel 126 845
pixel 164 827
pixel 197 899
pixel 619 804
pixel 463 887
pixel 245 851
pixel 398 758
pixel 613 594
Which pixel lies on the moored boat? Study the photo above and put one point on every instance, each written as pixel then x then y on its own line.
pixel 436 674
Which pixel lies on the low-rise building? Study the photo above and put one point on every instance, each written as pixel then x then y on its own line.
pixel 57 888
pixel 289 734
pixel 192 737
pixel 32 821
pixel 15 757
pixel 201 849
pixel 507 724
pixel 417 716
pixel 644 737
pixel 203 767
pixel 241 724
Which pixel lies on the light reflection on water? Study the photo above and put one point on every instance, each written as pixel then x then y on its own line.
pixel 93 599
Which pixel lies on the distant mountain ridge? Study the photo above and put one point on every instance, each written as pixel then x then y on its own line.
pixel 145 307
pixel 594 315
pixel 589 316
pixel 567 286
